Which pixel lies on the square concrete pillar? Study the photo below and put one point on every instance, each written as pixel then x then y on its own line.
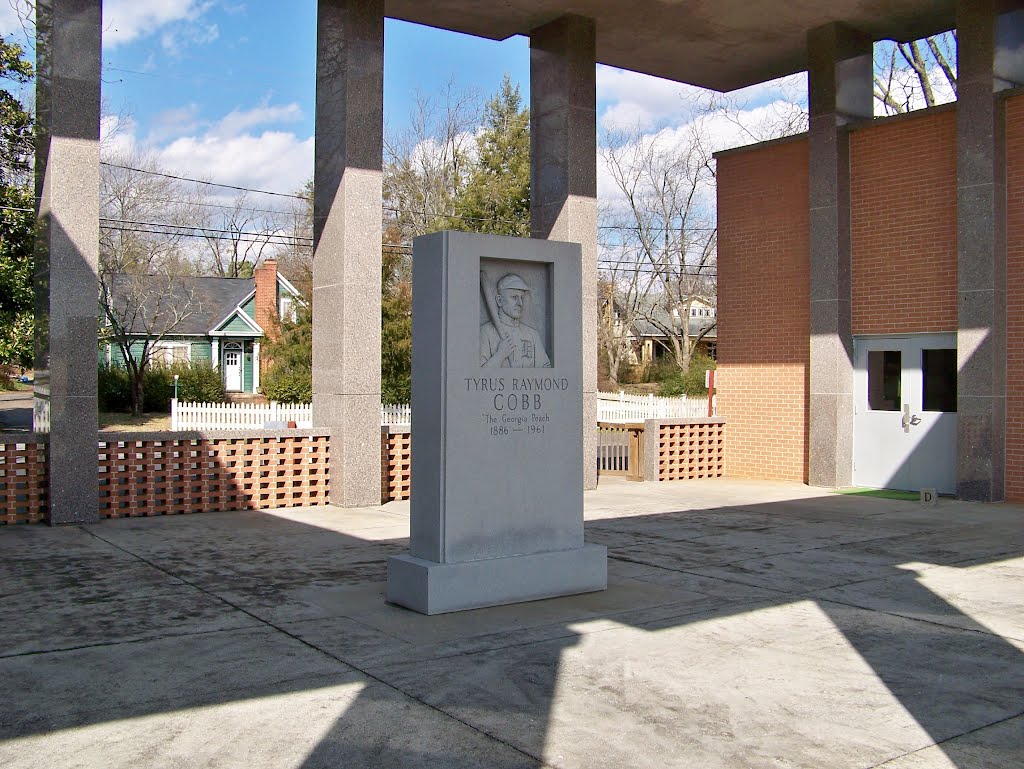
pixel 840 90
pixel 67 180
pixel 347 201
pixel 563 175
pixel 986 63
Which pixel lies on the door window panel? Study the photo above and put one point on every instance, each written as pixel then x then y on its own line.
pixel 938 368
pixel 885 374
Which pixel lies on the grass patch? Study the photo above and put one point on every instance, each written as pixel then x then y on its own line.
pixel 148 422
pixel 859 491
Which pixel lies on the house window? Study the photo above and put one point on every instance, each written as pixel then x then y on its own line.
pixel 287 309
pixel 172 352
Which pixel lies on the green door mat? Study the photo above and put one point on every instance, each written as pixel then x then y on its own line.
pixel 859 491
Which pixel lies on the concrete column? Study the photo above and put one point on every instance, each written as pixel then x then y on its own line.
pixel 347 201
pixel 563 175
pixel 986 63
pixel 840 91
pixel 67 249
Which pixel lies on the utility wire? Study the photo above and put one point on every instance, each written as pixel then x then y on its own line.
pixel 201 181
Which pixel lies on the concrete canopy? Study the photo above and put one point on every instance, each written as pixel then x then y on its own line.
pixel 719 44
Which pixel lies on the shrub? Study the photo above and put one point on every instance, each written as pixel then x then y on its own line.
pixel 198 382
pixel 114 388
pixel 288 385
pixel 686 383
pixel 157 388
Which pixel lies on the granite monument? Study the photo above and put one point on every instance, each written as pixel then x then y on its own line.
pixel 497 427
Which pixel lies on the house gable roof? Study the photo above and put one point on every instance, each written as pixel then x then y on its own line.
pixel 204 302
pixel 237 322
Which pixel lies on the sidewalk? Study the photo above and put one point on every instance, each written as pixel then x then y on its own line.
pixel 745 625
pixel 16 411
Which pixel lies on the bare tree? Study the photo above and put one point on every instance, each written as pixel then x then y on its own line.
pixel 139 312
pixel 920 73
pixel 295 257
pixel 427 165
pixel 142 216
pixel 664 217
pixel 238 235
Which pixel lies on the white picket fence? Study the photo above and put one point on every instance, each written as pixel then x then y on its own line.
pixel 620 407
pixel 611 407
pixel 395 414
pixel 238 416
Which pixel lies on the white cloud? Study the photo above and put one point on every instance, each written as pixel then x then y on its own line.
pixel 127 20
pixel 224 150
pixel 640 101
pixel 716 130
pixel 237 121
pixel 635 102
pixel 11 14
pixel 172 123
pixel 273 160
pixel 176 39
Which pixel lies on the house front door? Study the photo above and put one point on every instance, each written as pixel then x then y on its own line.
pixel 905 423
pixel 233 370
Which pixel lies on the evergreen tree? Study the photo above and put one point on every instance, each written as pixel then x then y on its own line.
pixel 290 378
pixel 395 323
pixel 17 217
pixel 497 197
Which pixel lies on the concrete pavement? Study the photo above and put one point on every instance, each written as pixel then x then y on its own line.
pixel 746 625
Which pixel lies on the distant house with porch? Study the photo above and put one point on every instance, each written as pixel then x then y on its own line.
pixel 651 343
pixel 222 322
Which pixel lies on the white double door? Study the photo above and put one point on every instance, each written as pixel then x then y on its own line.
pixel 905 419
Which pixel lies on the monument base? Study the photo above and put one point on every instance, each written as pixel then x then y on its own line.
pixel 437 588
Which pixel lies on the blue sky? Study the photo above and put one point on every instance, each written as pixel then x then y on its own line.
pixel 224 89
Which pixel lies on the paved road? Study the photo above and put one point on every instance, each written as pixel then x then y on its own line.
pixel 15 411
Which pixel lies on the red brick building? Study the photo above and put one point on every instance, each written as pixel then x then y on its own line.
pixel 904 297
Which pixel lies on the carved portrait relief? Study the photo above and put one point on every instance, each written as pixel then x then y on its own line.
pixel 514 331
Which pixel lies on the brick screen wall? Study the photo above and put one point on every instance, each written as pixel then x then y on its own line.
pixel 396 461
pixel 764 309
pixel 167 474
pixel 22 481
pixel 170 477
pixel 903 225
pixel 1015 298
pixel 689 451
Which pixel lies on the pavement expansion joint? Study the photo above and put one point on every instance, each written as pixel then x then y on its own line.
pixel 939 744
pixel 146 639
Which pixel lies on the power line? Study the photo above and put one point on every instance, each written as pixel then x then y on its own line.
pixel 205 230
pixel 202 181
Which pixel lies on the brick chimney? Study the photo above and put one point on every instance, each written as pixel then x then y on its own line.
pixel 266 298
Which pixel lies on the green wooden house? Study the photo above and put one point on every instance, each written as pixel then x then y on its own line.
pixel 219 321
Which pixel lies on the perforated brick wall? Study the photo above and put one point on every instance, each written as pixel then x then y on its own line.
pixel 1015 298
pixel 691 451
pixel 171 477
pixel 22 482
pixel 903 210
pixel 395 464
pixel 150 475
